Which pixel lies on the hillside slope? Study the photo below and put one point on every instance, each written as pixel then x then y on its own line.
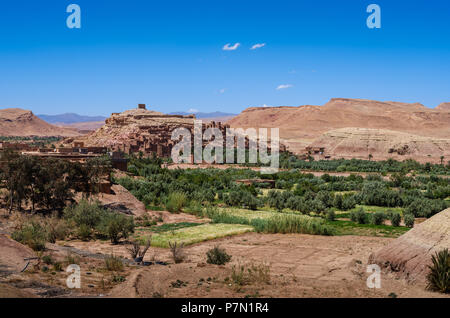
pixel 300 126
pixel 20 122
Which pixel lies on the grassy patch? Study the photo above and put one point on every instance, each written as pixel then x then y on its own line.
pixel 196 234
pixel 351 228
pixel 272 222
pixel 368 209
pixel 250 214
pixel 266 191
pixel 170 227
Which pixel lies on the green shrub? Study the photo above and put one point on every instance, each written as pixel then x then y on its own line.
pixel 118 279
pixel 84 232
pixel 32 234
pixel 175 202
pixel 217 256
pixel 57 266
pixel 439 275
pixel 359 216
pixel 194 207
pixel 116 226
pixel 395 219
pixel 85 213
pixel 378 218
pixel 409 220
pixel 47 259
pixel 330 215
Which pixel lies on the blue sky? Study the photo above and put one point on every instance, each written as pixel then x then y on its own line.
pixel 169 54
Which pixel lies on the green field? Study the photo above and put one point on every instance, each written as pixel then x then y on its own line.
pixel 196 234
pixel 368 209
pixel 351 228
pixel 340 227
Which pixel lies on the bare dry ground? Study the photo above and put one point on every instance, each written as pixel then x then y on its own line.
pixel 283 265
pixel 300 266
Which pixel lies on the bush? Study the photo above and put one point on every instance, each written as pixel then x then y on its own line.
pixel 395 219
pixel 32 234
pixel 136 252
pixel 244 274
pixel 175 202
pixel 116 226
pixel 217 256
pixel 85 213
pixel 359 216
pixel 378 218
pixel 409 220
pixel 177 252
pixel 84 232
pixel 113 263
pixel 439 275
pixel 330 216
pixel 47 259
pixel 57 229
pixel 57 266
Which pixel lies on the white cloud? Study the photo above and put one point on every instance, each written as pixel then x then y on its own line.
pixel 258 46
pixel 264 105
pixel 192 110
pixel 222 90
pixel 229 47
pixel 284 86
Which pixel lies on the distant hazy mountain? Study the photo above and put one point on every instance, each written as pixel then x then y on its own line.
pixel 70 118
pixel 205 115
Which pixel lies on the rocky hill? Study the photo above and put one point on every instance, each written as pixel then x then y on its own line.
pixel 381 144
pixel 301 126
pixel 19 122
pixel 410 254
pixel 445 107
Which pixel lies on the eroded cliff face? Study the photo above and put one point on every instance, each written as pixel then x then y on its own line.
pixel 445 107
pixel 410 254
pixel 381 144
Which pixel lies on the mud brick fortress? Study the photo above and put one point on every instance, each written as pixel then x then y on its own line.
pixel 142 131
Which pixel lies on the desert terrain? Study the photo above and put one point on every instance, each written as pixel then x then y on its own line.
pixel 355 128
pixel 151 228
pixel 19 122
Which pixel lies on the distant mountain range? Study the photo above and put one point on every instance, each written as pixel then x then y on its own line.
pixel 70 118
pixel 205 115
